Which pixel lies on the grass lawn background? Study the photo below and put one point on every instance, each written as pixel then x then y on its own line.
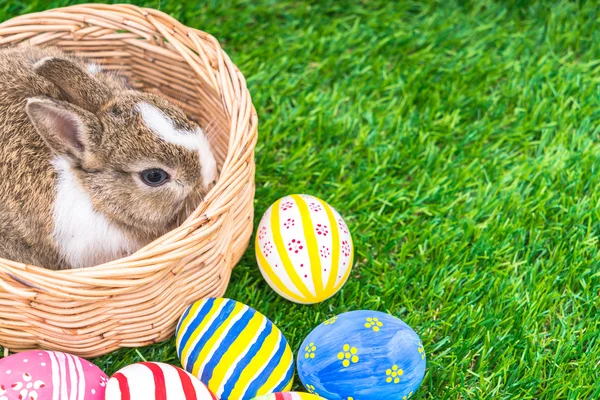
pixel 460 143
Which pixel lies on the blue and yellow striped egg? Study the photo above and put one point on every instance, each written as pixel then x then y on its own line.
pixel 289 396
pixel 366 355
pixel 233 349
pixel 304 249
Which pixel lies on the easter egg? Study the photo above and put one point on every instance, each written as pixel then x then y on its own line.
pixel 364 355
pixel 304 249
pixel 155 381
pixel 236 351
pixel 289 396
pixel 51 375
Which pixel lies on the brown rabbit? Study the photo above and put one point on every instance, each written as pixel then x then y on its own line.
pixel 92 170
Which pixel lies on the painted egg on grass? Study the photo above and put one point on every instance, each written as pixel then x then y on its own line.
pixel 236 351
pixel 41 375
pixel 364 355
pixel 155 381
pixel 289 396
pixel 304 249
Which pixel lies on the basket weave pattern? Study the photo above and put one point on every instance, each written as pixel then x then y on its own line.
pixel 137 300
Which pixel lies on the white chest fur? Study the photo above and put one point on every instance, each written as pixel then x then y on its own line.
pixel 84 236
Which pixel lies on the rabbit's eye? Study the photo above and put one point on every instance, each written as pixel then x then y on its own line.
pixel 115 110
pixel 154 177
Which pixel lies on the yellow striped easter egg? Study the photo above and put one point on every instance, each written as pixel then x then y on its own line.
pixel 289 396
pixel 304 249
pixel 233 349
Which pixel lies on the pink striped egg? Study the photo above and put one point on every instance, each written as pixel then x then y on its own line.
pixel 304 249
pixel 50 375
pixel 155 381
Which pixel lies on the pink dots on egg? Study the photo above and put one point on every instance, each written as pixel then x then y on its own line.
pixel 345 248
pixel 343 226
pixel 315 207
pixel 262 233
pixel 286 205
pixel 325 252
pixel 295 246
pixel 267 249
pixel 322 230
pixel 289 223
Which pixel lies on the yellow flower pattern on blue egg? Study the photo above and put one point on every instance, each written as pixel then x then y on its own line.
pixel 311 389
pixel 310 350
pixel 394 374
pixel 362 346
pixel 373 323
pixel 421 350
pixel 331 321
pixel 348 355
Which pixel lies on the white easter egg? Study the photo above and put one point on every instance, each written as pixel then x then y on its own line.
pixel 304 249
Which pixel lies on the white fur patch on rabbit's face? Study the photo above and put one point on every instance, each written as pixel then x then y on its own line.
pixel 164 128
pixel 93 68
pixel 84 236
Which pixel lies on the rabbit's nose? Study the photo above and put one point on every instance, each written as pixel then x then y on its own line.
pixel 211 184
pixel 209 169
pixel 210 180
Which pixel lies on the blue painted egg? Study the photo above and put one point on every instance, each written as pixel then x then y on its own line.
pixel 234 350
pixel 362 355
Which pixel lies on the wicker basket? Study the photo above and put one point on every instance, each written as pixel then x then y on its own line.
pixel 136 301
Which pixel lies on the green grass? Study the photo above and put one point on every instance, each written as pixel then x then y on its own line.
pixel 460 142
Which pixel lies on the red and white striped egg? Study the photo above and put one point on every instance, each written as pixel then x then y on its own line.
pixel 50 375
pixel 155 381
pixel 304 249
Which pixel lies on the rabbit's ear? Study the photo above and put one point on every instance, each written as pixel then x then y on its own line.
pixel 67 129
pixel 76 84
